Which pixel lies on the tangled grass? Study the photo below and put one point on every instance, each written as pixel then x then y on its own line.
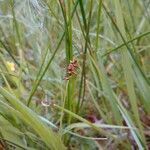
pixel 74 74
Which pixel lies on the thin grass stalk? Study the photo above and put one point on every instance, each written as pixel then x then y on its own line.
pixel 128 42
pixel 98 25
pixel 87 39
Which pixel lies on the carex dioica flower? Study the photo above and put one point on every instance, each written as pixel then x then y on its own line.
pixel 71 69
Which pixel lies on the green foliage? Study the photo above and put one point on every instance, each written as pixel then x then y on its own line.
pixel 74 74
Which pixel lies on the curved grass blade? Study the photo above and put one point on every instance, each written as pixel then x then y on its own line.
pixel 51 139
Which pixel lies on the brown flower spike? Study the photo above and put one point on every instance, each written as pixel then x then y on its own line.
pixel 71 69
